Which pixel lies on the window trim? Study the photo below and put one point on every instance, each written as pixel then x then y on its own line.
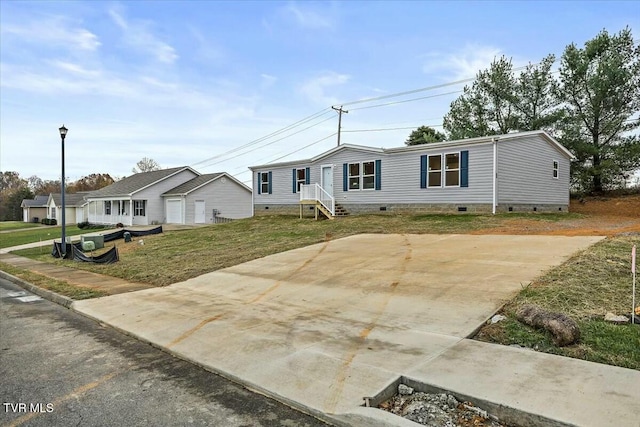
pixel 429 171
pixel 107 207
pixel 556 169
pixel 264 182
pixel 139 210
pixel 361 175
pixel 444 165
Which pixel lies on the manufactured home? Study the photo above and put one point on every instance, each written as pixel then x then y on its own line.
pixel 521 172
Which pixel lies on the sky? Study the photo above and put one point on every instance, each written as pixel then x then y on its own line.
pixel 221 86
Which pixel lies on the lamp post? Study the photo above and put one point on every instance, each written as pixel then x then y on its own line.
pixel 63 133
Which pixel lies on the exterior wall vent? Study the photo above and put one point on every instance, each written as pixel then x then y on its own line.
pixel 535 209
pixel 462 208
pixel 383 208
pixel 510 208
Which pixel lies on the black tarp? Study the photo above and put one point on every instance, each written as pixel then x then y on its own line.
pixel 74 252
pixel 119 234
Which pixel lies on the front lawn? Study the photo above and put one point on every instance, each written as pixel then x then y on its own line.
pixel 32 235
pixel 16 225
pixel 586 287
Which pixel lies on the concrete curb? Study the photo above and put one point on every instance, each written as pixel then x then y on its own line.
pixel 44 293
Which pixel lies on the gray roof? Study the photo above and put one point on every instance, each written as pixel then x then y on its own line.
pixel 134 183
pixel 421 147
pixel 37 202
pixel 193 184
pixel 74 199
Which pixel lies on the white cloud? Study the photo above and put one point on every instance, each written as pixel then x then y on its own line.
pixel 462 64
pixel 268 80
pixel 139 36
pixel 53 30
pixel 316 87
pixel 306 17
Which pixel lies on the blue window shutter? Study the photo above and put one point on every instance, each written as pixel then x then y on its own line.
pixel 378 174
pixel 294 180
pixel 345 177
pixel 307 176
pixel 464 168
pixel 270 181
pixel 259 183
pixel 423 171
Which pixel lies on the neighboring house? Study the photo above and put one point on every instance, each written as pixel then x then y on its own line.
pixel 526 171
pixel 148 198
pixel 205 198
pixel 75 207
pixel 34 210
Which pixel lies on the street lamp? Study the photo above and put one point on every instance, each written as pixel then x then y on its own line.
pixel 63 133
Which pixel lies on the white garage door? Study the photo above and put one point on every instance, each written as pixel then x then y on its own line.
pixel 174 211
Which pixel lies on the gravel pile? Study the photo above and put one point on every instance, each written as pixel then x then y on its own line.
pixel 437 410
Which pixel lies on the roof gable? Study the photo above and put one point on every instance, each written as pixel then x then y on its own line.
pixel 199 182
pixel 135 183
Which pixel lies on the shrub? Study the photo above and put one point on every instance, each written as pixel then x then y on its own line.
pixel 84 224
pixel 119 225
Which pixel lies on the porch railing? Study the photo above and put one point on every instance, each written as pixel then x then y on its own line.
pixel 317 193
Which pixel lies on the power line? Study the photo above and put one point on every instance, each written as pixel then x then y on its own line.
pixel 300 122
pixel 265 145
pixel 302 148
pixel 407 100
pixel 424 89
pixel 384 129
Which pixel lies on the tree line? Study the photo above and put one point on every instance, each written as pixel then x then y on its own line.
pixel 14 189
pixel 592 107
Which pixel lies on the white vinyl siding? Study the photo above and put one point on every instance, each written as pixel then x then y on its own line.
pixel 155 206
pixel 525 173
pixel 229 198
pixel 400 178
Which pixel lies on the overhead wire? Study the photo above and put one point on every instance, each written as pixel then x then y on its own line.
pixel 300 122
pixel 267 144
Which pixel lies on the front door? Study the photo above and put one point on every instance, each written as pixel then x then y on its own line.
pixel 327 179
pixel 201 216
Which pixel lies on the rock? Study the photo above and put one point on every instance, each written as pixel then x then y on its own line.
pixel 404 389
pixel 498 318
pixel 618 320
pixel 563 329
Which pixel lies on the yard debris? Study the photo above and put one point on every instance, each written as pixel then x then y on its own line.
pixel 618 320
pixel 497 318
pixel 563 329
pixel 438 410
pixel 405 390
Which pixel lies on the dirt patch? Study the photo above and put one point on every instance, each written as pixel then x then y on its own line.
pixel 600 216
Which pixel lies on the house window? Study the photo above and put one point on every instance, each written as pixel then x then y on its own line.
pixel 452 170
pixel 368 175
pixel 301 177
pixel 139 207
pixel 53 213
pixel 435 171
pixel 354 176
pixel 555 169
pixel 265 184
pixel 107 208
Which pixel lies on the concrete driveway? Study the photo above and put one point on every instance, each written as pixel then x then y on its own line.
pixel 324 326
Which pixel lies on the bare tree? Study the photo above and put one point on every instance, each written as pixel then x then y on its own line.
pixel 146 165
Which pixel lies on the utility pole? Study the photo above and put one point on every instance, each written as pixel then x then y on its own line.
pixel 340 111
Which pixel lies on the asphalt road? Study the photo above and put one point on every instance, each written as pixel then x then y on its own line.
pixel 58 368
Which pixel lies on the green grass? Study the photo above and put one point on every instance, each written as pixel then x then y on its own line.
pixel 32 235
pixel 57 286
pixel 16 225
pixel 586 287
